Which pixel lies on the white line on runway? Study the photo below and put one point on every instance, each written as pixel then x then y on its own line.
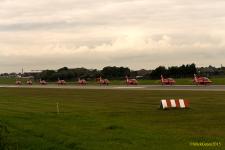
pixel 128 87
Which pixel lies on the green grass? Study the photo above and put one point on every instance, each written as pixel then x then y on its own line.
pixel 218 81
pixel 4 80
pixel 110 119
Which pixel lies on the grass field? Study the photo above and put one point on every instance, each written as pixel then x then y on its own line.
pixel 184 81
pixel 110 119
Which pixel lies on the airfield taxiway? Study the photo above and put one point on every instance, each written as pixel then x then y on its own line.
pixel 124 87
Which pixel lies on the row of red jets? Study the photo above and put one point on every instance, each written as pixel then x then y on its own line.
pixel 198 80
pixel 63 82
pixel 29 82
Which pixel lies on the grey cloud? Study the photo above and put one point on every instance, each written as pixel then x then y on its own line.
pixel 95 33
pixel 45 26
pixel 138 61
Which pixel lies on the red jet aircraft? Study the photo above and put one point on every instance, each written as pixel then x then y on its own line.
pixel 18 82
pixel 201 80
pixel 61 82
pixel 82 81
pixel 102 81
pixel 131 81
pixel 29 82
pixel 167 81
pixel 43 82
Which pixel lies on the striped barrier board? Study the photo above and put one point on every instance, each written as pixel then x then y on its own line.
pixel 172 103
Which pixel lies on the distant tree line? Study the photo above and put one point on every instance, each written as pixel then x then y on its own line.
pixel 174 71
pixel 211 71
pixel 83 73
pixel 117 73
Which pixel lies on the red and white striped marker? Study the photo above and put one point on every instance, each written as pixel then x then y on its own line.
pixel 172 103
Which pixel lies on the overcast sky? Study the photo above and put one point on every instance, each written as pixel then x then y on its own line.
pixel 48 34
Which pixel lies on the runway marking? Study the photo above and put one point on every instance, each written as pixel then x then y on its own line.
pixel 128 87
pixel 140 87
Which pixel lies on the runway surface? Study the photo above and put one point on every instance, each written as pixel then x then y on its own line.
pixel 124 87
